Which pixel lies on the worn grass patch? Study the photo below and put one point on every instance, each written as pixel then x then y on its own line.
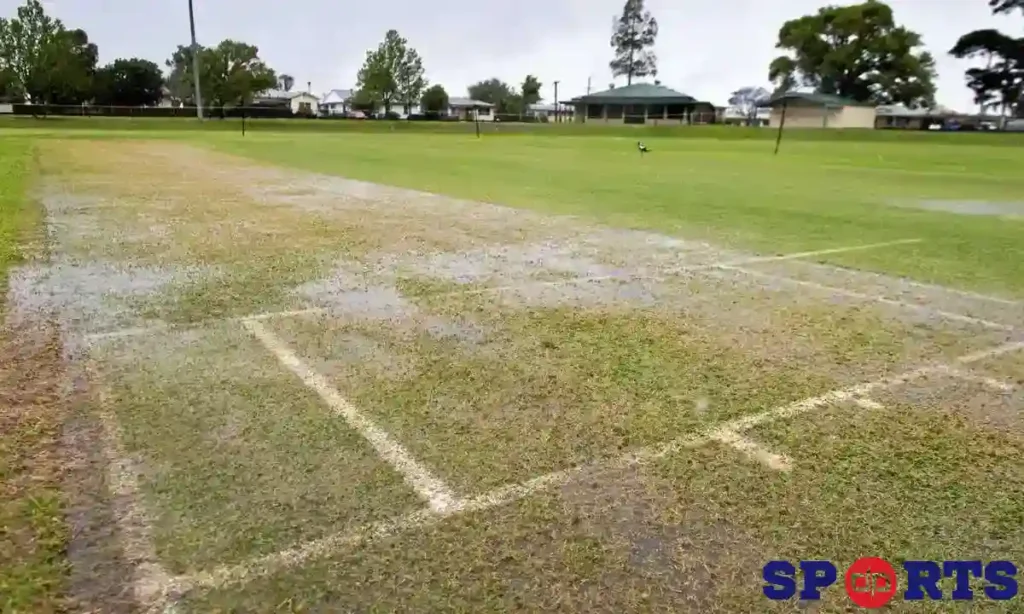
pixel 236 457
pixel 33 534
pixel 490 392
pixel 606 543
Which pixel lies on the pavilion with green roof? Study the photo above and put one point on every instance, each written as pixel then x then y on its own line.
pixel 642 103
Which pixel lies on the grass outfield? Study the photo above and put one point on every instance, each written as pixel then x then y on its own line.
pixel 319 372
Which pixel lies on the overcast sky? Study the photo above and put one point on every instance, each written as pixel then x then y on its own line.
pixel 705 48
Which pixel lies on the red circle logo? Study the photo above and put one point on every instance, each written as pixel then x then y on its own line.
pixel 870 582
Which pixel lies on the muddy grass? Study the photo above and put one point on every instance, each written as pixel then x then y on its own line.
pixel 33 397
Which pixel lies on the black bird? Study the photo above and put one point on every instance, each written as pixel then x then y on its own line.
pixel 643 148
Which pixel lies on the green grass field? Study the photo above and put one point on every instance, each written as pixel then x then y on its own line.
pixel 567 379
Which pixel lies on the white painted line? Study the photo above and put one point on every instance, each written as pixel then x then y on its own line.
pixel 984 380
pixel 265 565
pixel 920 284
pixel 435 492
pixel 1008 348
pixel 823 252
pixel 865 403
pixel 870 297
pixel 133 523
pixel 753 450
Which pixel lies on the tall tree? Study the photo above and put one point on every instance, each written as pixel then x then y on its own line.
pixel 858 52
pixel 128 82
pixel 1001 81
pixel 1006 6
pixel 434 100
pixel 497 92
pixel 635 31
pixel 44 61
pixel 286 82
pixel 747 99
pixel 529 91
pixel 392 73
pixel 232 74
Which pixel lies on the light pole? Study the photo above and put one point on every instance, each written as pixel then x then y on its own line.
pixel 195 61
pixel 558 116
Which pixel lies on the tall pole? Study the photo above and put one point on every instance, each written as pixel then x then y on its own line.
pixel 195 61
pixel 558 116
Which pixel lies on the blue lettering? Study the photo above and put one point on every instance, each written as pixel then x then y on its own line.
pixel 922 575
pixel 781 579
pixel 817 575
pixel 1001 576
pixel 962 571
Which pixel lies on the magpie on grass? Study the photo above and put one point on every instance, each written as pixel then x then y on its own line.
pixel 642 148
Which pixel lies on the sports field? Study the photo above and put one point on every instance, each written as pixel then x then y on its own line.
pixel 429 372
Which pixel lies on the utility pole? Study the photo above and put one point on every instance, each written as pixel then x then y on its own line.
pixel 588 86
pixel 558 116
pixel 195 61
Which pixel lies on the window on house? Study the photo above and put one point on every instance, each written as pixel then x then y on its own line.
pixel 484 112
pixel 305 107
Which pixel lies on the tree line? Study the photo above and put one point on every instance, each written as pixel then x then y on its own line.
pixel 857 51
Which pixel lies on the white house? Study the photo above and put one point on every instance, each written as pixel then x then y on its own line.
pixel 335 102
pixel 469 109
pixel 298 102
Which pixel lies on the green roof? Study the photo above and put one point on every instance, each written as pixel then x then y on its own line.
pixel 825 100
pixel 638 93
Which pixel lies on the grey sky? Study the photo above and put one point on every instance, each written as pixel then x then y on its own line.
pixel 705 49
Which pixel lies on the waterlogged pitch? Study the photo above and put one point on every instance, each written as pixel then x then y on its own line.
pixel 419 373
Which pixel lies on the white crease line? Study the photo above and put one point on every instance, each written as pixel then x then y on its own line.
pixel 870 297
pixel 553 283
pixel 435 492
pixel 865 403
pixel 823 252
pixel 920 284
pixel 984 380
pixel 149 577
pixel 265 565
pixel 753 450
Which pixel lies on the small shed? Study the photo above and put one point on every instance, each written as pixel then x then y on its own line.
pixel 642 103
pixel 810 110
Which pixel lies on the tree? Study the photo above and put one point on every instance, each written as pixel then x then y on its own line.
pixel 392 73
pixel 529 91
pixel 634 33
pixel 434 100
pixel 232 73
pixel 856 52
pixel 1001 81
pixel 747 99
pixel 9 91
pixel 498 93
pixel 364 101
pixel 44 61
pixel 1006 6
pixel 128 82
pixel 286 82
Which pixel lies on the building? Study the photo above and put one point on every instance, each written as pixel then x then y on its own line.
pixel 336 103
pixel 736 117
pixel 642 103
pixel 300 103
pixel 551 112
pixel 470 110
pixel 809 110
pixel 899 116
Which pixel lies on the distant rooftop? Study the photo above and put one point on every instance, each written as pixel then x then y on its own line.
pixel 457 102
pixel 638 93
